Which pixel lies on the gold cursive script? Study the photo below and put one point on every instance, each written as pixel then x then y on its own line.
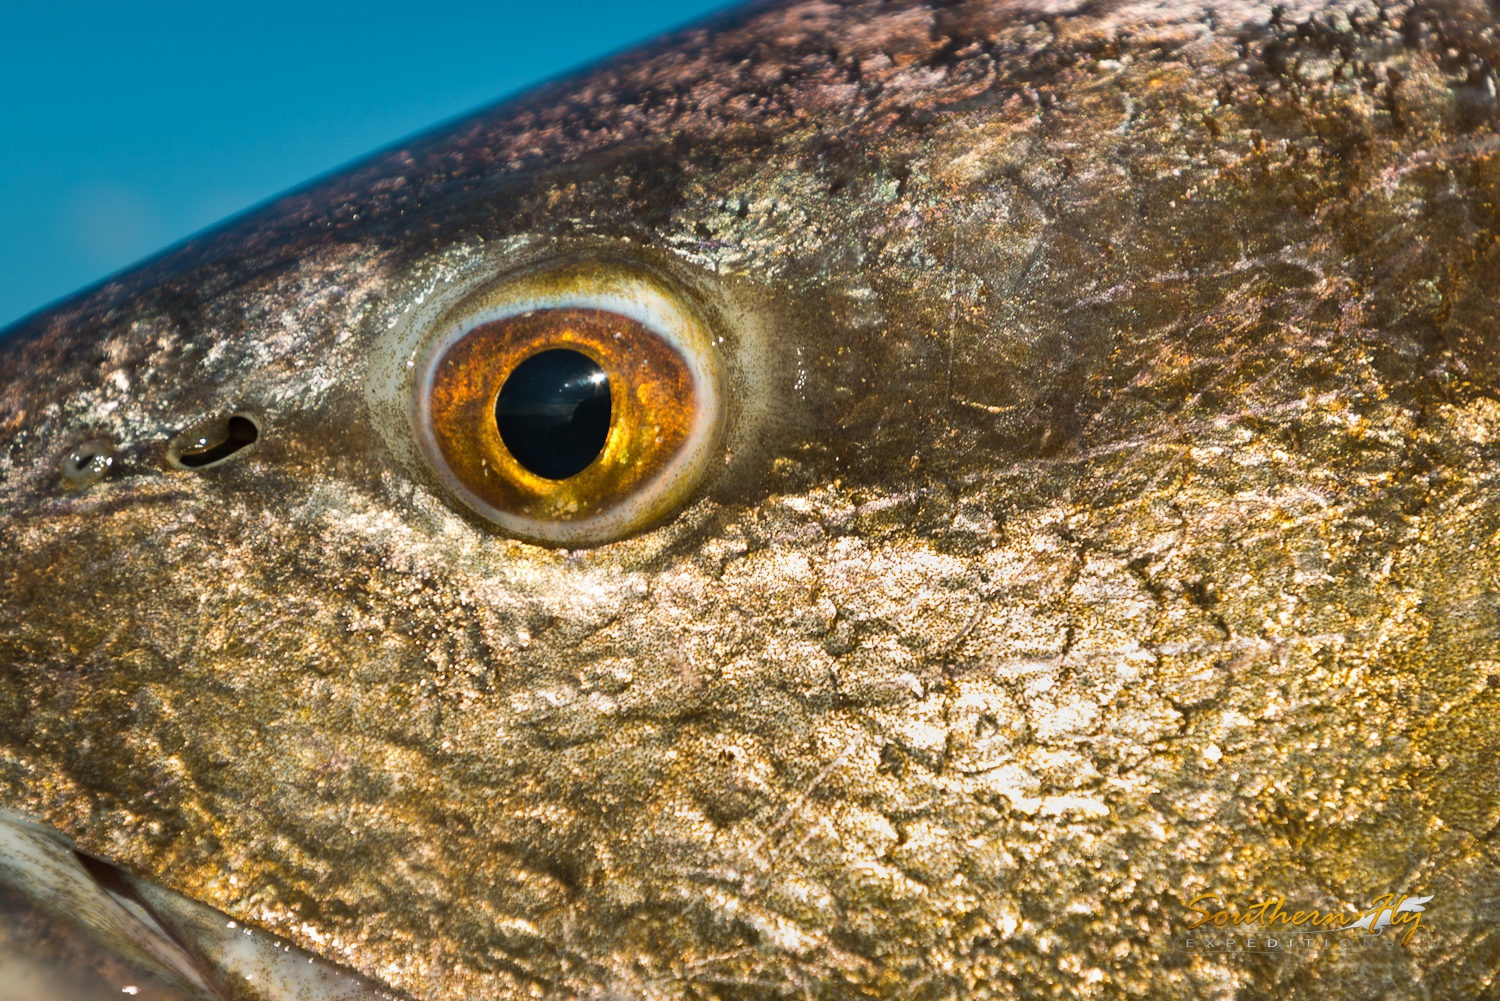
pixel 1388 910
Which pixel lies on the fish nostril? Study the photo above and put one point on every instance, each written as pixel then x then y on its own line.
pixel 211 442
pixel 87 463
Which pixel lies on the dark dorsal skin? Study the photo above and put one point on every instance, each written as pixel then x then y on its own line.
pixel 1110 521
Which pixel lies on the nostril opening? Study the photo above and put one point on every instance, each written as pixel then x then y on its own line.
pixel 213 441
pixel 87 463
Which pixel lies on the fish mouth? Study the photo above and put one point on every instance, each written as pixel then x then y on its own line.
pixel 100 924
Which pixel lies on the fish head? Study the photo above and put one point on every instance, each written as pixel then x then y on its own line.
pixel 1096 512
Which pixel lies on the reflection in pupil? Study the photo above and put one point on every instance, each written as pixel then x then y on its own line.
pixel 553 413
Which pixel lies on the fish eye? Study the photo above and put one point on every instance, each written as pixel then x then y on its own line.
pixel 569 405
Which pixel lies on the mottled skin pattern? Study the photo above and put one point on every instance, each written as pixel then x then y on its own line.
pixel 1121 527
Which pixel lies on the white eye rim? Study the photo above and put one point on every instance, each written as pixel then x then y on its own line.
pixel 424 335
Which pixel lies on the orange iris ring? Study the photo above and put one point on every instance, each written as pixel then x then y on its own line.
pixel 660 422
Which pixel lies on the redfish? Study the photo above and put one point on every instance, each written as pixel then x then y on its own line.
pixel 877 499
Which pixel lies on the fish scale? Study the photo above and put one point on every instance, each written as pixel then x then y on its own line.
pixel 1104 523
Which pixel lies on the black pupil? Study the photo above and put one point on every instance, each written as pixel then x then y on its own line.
pixel 553 413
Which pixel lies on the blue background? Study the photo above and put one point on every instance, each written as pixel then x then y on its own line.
pixel 126 127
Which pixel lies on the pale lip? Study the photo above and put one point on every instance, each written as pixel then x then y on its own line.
pixel 123 934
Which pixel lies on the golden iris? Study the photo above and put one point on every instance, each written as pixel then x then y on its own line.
pixel 653 403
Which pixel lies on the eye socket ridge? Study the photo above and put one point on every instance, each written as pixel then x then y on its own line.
pixel 664 375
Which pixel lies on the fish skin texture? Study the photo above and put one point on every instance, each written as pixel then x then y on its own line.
pixel 1108 520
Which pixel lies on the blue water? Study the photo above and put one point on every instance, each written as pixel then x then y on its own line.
pixel 129 126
